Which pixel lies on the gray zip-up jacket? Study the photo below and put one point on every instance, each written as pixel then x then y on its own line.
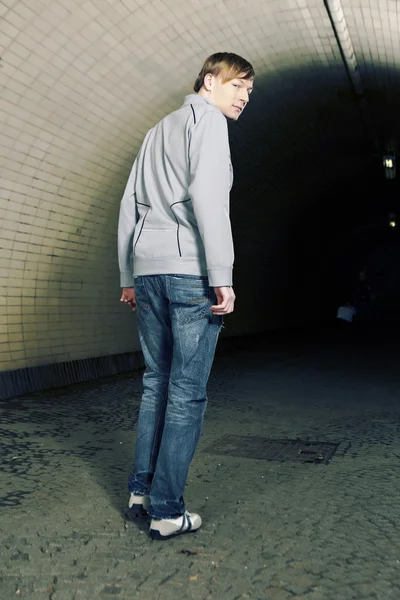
pixel 174 215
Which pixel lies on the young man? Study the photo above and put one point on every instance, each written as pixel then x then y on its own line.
pixel 176 258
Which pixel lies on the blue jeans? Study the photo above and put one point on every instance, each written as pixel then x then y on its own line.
pixel 178 335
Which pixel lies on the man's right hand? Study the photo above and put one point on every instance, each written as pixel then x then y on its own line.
pixel 129 297
pixel 226 301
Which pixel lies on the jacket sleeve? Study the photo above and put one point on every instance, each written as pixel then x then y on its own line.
pixel 209 190
pixel 126 230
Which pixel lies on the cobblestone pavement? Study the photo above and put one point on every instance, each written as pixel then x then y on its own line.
pixel 272 530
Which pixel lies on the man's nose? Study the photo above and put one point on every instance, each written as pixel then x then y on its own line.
pixel 244 96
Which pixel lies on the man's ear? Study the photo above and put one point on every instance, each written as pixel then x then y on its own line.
pixel 208 81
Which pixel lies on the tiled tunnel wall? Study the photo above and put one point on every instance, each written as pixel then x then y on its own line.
pixel 83 81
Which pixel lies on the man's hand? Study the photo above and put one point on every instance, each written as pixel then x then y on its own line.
pixel 128 296
pixel 226 301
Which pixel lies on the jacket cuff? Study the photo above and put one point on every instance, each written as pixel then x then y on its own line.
pixel 127 279
pixel 221 277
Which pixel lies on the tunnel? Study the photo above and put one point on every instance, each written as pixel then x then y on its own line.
pixel 314 204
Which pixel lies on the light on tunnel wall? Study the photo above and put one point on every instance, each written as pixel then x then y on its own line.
pixel 389 165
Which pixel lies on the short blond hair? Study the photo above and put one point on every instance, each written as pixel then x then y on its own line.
pixel 228 65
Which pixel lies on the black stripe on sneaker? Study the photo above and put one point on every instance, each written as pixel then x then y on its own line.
pixel 190 524
pixel 183 526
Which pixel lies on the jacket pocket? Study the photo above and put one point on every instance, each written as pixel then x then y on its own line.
pixel 157 243
pixel 191 243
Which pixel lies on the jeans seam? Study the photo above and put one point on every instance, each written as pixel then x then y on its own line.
pixel 146 292
pixel 144 310
pixel 192 282
pixel 157 282
pixel 180 346
pixel 156 435
pixel 169 516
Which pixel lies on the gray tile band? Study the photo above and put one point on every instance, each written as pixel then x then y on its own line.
pixel 34 379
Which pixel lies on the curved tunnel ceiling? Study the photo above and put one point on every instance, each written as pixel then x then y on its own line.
pixel 82 82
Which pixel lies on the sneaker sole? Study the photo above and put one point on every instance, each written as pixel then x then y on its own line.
pixel 156 535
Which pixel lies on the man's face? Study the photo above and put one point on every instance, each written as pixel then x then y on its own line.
pixel 230 97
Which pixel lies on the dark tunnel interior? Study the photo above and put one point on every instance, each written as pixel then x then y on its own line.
pixel 334 211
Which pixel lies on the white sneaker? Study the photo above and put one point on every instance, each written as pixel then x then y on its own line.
pixel 163 529
pixel 138 505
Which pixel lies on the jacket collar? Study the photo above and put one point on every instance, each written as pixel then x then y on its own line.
pixel 196 99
